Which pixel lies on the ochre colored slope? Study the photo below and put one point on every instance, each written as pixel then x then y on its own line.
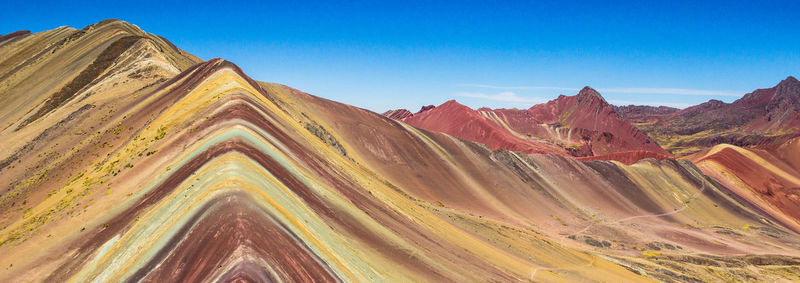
pixel 212 176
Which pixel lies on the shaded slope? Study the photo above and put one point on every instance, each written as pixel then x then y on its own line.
pixel 98 66
pixel 46 69
pixel 628 157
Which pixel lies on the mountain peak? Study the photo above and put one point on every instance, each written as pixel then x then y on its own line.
pixel 789 80
pixel 787 94
pixel 426 108
pixel 451 103
pixel 397 114
pixel 589 94
pixel 104 22
pixel 588 89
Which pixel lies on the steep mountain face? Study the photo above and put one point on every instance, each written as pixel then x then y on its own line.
pixel 599 126
pixel 160 170
pixel 783 109
pixel 580 125
pixel 764 116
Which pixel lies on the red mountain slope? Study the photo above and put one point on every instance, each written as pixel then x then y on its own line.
pixel 580 125
pixel 461 121
pixel 595 121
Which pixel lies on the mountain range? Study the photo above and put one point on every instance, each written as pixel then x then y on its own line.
pixel 125 158
pixel 585 125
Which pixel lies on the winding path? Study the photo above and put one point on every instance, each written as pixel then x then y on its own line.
pixel 675 210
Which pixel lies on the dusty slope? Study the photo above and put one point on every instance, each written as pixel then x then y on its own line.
pixel 213 176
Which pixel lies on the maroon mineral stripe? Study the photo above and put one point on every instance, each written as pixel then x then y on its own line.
pixel 247 271
pixel 353 192
pixel 19 33
pixel 213 234
pixel 319 165
pixel 124 219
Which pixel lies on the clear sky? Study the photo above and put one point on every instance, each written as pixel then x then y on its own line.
pixel 381 55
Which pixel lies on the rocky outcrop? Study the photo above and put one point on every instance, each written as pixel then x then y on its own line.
pixel 398 114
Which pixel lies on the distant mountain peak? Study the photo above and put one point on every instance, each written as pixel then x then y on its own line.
pixel 451 103
pixel 425 108
pixel 789 81
pixel 589 94
pixel 397 114
pixel 787 95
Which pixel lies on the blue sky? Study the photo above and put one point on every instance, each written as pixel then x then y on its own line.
pixel 498 54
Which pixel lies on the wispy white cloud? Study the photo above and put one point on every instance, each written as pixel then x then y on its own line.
pixel 505 96
pixel 632 90
pixel 650 103
pixel 519 87
pixel 508 96
pixel 676 91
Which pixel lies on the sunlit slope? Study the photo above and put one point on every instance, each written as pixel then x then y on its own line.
pixel 211 176
pixel 635 207
pixel 219 139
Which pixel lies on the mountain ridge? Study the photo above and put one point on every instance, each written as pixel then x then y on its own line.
pixel 567 122
pixel 764 116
